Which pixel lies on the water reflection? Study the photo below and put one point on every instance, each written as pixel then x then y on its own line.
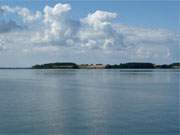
pixel 89 102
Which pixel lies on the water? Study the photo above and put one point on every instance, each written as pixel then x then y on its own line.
pixel 86 102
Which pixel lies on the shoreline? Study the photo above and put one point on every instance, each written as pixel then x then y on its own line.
pixel 70 65
pixel 129 69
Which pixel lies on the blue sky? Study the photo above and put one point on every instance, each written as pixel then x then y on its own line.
pixel 160 13
pixel 128 31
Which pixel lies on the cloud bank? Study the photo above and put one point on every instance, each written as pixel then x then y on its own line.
pixel 52 30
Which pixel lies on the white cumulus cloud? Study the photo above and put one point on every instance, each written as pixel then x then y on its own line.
pixel 52 29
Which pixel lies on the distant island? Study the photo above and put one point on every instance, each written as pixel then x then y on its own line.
pixel 56 66
pixel 132 65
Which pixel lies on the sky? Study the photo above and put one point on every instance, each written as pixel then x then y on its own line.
pixel 89 31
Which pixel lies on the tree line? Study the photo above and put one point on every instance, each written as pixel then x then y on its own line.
pixel 132 65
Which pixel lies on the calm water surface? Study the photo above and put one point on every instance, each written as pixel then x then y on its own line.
pixel 87 102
